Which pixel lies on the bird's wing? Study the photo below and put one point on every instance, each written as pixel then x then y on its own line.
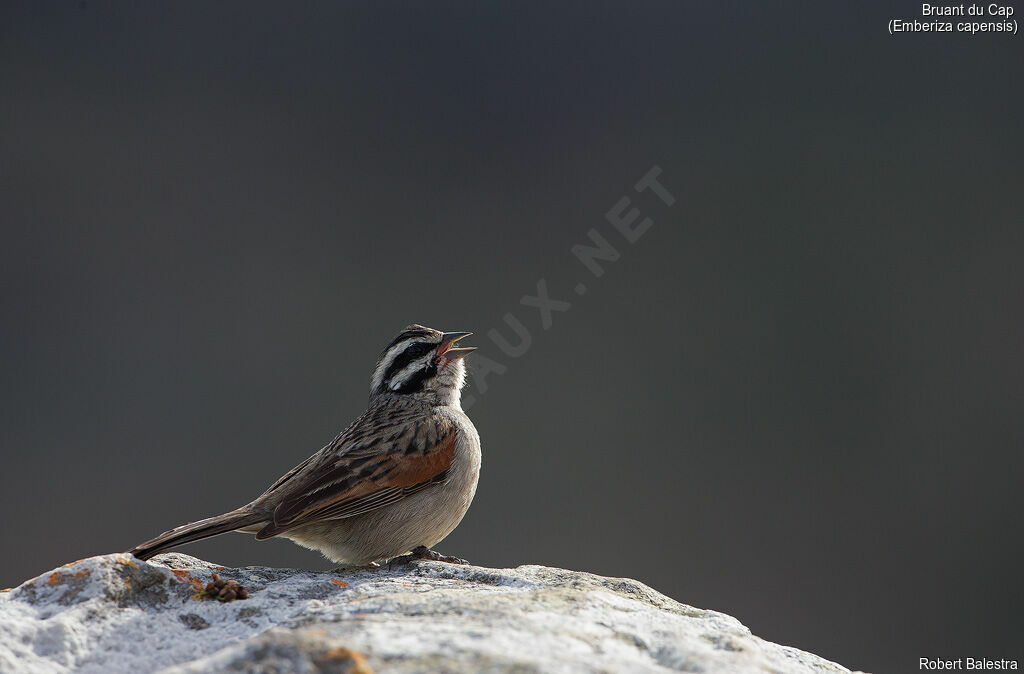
pixel 367 467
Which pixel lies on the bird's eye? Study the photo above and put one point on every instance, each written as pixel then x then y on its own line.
pixel 420 349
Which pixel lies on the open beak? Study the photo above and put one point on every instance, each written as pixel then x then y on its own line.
pixel 448 352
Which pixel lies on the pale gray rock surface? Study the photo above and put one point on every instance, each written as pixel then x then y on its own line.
pixel 116 614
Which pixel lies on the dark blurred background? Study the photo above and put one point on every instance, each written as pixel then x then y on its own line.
pixel 796 398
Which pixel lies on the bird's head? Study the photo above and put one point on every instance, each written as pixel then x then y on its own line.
pixel 423 363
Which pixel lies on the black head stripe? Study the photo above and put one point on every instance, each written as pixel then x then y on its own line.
pixel 411 345
pixel 417 379
pixel 409 354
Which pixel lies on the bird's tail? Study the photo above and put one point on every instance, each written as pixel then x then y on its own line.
pixel 211 526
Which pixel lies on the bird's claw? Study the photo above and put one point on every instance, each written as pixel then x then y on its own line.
pixel 423 552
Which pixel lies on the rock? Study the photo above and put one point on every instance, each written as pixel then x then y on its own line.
pixel 115 613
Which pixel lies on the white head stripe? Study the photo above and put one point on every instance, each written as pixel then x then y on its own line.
pixel 399 378
pixel 389 357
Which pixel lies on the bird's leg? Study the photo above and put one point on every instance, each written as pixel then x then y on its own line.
pixel 349 568
pixel 423 552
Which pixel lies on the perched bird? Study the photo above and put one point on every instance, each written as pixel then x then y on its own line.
pixel 398 479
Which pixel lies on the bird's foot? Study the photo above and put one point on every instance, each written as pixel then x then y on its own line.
pixel 423 552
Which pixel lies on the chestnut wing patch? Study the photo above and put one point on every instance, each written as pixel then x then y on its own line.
pixel 353 485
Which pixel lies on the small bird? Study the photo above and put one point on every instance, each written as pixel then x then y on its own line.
pixel 398 479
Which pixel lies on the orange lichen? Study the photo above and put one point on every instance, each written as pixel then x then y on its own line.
pixel 359 664
pixel 56 576
pixel 183 576
pixel 127 562
pixel 340 582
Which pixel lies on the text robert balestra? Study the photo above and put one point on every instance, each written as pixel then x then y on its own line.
pixel 974 664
